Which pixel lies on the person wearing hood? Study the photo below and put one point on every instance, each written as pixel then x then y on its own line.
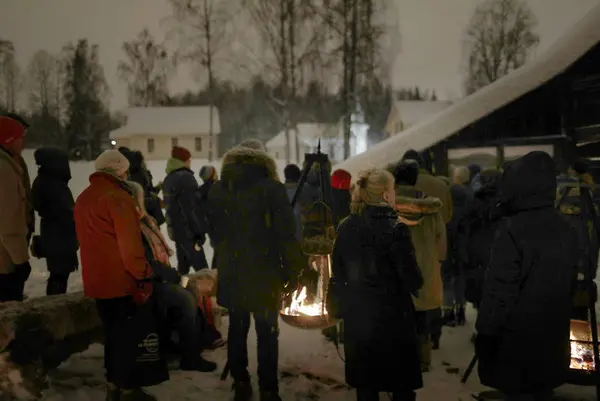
pixel 208 175
pixel 53 201
pixel 529 284
pixel 430 185
pixel 422 214
pixel 253 230
pixel 14 210
pixel 185 220
pixel 138 172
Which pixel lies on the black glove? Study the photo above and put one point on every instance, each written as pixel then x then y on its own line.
pixel 23 271
pixel 165 273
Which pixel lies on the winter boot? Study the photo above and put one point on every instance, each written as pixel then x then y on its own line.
pixel 449 317
pixel 405 395
pixel 460 316
pixel 199 365
pixel 269 396
pixel 435 342
pixel 113 393
pixel 242 391
pixel 137 394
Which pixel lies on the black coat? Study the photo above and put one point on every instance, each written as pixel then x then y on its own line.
pixel 374 256
pixel 185 221
pixel 140 174
pixel 53 201
pixel 341 204
pixel 524 318
pixel 253 230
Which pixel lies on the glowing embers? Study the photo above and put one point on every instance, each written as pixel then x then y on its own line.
pixel 582 352
pixel 306 307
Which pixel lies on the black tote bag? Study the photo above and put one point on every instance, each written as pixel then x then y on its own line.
pixel 140 358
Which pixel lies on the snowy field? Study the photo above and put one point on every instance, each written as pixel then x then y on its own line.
pixel 311 369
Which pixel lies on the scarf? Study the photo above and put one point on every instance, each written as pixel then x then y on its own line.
pixel 160 249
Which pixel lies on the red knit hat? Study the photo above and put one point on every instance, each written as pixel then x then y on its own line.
pixel 10 130
pixel 180 153
pixel 340 179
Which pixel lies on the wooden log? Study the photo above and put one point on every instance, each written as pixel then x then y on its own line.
pixel 39 334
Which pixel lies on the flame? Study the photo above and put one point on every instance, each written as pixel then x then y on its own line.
pixel 299 305
pixel 582 356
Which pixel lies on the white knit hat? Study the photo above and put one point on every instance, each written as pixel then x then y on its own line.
pixel 113 162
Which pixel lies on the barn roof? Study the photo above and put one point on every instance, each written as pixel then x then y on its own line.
pixel 192 120
pixel 582 37
pixel 412 112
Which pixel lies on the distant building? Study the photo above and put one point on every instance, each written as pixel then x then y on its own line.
pixel 406 113
pixel 155 130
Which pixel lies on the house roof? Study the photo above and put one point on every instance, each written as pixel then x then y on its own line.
pixel 412 112
pixel 168 121
pixel 307 134
pixel 583 36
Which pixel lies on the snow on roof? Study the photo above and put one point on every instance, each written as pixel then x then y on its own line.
pixel 562 54
pixel 168 121
pixel 412 112
pixel 307 133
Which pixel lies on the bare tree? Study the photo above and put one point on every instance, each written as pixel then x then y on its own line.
pixel 41 83
pixel 9 75
pixel 499 38
pixel 146 70
pixel 201 26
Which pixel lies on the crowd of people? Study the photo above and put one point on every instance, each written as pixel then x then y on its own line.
pixel 411 249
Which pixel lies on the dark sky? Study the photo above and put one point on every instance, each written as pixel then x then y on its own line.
pixel 428 53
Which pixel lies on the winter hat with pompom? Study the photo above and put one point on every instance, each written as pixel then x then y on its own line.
pixel 208 173
pixel 113 162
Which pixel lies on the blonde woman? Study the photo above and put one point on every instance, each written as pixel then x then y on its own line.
pixel 374 257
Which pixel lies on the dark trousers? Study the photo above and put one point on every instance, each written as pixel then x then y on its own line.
pixel 57 284
pixel 179 308
pixel 188 256
pixel 364 394
pixel 267 333
pixel 113 312
pixel 11 287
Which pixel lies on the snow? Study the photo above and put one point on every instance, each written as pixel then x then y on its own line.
pixel 310 367
pixel 562 54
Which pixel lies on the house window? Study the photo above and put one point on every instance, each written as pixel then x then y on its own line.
pixel 150 145
pixel 174 142
pixel 198 144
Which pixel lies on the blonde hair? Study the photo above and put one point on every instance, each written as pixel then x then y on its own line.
pixel 369 189
pixel 461 175
pixel 138 194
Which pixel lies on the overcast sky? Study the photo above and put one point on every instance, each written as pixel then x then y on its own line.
pixel 431 33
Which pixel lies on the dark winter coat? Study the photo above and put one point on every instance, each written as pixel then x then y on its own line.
pixel 140 174
pixel 205 189
pixel 525 310
pixel 374 256
pixel 476 237
pixel 185 221
pixel 53 200
pixel 253 231
pixel 462 197
pixel 341 204
pixel 290 189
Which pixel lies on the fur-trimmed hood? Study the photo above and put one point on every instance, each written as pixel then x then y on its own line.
pixel 412 206
pixel 246 165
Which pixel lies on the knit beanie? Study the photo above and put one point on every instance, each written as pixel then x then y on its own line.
pixel 252 144
pixel 412 154
pixel 11 129
pixel 113 162
pixel 208 173
pixel 340 179
pixel 406 173
pixel 180 153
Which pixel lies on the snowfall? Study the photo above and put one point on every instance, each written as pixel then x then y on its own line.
pixel 311 368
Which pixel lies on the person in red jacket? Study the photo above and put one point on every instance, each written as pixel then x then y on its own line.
pixel 112 259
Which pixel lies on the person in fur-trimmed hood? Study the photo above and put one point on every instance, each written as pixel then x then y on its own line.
pixel 251 224
pixel 422 215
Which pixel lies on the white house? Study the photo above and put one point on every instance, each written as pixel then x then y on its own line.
pixel 155 130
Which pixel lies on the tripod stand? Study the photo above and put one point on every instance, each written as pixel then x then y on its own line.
pixel 588 216
pixel 319 162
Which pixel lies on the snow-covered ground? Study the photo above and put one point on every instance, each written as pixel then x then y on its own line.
pixel 310 366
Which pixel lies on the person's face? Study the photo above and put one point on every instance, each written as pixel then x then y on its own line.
pixel 389 196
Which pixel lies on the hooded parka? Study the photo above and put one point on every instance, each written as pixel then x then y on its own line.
pixel 525 310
